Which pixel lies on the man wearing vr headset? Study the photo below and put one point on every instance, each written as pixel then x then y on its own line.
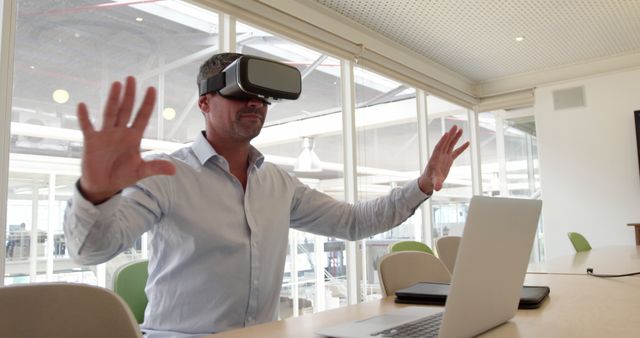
pixel 217 214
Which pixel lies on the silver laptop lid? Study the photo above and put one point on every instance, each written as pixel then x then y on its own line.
pixel 491 264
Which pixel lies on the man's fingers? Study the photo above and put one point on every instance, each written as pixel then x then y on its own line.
pixel 124 112
pixel 142 117
pixel 454 140
pixel 441 143
pixel 460 150
pixel 83 119
pixel 156 167
pixel 448 137
pixel 112 107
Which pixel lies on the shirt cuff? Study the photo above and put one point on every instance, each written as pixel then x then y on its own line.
pixel 86 214
pixel 412 193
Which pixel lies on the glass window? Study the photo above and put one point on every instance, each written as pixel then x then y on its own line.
pixel 388 157
pixel 305 138
pixel 70 51
pixel 449 205
pixel 509 155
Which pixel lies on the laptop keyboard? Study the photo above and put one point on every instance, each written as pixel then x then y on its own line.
pixel 422 328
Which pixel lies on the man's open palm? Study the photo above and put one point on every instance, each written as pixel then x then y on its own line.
pixel 441 160
pixel 111 159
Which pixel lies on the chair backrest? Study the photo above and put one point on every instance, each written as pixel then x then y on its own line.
pixel 447 248
pixel 58 310
pixel 579 242
pixel 129 282
pixel 410 246
pixel 402 269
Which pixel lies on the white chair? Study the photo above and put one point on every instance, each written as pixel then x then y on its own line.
pixel 402 269
pixel 57 310
pixel 447 248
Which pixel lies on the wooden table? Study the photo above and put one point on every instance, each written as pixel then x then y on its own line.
pixel 578 306
pixel 605 260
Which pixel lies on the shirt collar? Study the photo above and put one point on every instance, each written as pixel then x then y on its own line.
pixel 204 151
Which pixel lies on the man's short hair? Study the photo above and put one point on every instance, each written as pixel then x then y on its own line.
pixel 216 64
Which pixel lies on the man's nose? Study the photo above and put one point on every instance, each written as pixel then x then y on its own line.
pixel 255 102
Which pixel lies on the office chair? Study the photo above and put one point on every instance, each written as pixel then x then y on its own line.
pixel 410 246
pixel 447 248
pixel 402 269
pixel 64 310
pixel 129 282
pixel 579 242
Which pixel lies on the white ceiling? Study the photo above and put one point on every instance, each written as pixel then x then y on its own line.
pixel 476 39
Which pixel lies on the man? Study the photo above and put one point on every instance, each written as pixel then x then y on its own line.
pixel 217 214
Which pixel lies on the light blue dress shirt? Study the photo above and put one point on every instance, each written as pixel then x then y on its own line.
pixel 216 251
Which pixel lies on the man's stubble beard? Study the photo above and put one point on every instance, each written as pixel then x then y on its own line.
pixel 248 130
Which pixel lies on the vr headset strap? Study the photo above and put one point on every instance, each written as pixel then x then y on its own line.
pixel 212 84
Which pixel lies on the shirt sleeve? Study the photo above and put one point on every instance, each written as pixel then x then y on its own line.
pixel 97 233
pixel 318 213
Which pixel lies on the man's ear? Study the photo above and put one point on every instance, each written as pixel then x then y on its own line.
pixel 203 103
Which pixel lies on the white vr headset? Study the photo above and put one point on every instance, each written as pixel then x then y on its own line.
pixel 254 77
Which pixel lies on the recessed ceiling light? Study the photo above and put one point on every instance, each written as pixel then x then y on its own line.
pixel 76 35
pixel 32 67
pixel 169 113
pixel 520 38
pixel 60 96
pixel 139 19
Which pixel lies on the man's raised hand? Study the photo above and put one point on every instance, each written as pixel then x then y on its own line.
pixel 441 161
pixel 111 158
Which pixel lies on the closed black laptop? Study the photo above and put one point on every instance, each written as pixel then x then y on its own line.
pixel 436 294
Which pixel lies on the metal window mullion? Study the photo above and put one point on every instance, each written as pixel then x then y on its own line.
pixel 530 165
pixel 8 16
pixel 51 220
pixel 501 155
pixel 226 33
pixel 347 80
pixel 293 248
pixel 160 100
pixel 476 164
pixel 33 248
pixel 423 147
pixel 319 255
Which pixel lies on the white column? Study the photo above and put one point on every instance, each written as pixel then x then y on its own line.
pixel 144 245
pixel 8 13
pixel 160 100
pixel 226 33
pixel 33 248
pixel 425 232
pixel 474 148
pixel 501 155
pixel 51 220
pixel 293 250
pixel 354 250
pixel 319 255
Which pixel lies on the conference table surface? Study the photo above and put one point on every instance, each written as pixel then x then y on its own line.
pixel 604 260
pixel 578 306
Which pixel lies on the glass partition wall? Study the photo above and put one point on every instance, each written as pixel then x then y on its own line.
pixel 509 155
pixel 304 137
pixel 70 51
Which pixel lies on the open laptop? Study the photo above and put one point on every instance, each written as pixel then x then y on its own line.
pixel 487 278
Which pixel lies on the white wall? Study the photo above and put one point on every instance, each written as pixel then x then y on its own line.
pixel 589 163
